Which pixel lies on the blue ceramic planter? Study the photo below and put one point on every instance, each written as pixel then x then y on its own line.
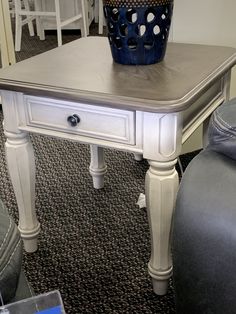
pixel 138 30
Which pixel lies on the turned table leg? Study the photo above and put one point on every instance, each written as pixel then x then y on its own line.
pixel 138 157
pixel 161 186
pixel 97 167
pixel 21 165
pixel 162 141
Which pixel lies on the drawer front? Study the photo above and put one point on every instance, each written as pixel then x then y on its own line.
pixel 94 121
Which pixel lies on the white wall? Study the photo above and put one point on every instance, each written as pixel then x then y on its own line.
pixel 211 22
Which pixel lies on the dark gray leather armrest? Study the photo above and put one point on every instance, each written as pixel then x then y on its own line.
pixel 222 129
pixel 204 236
pixel 10 255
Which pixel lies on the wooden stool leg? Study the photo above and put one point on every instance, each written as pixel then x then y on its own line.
pixel 39 24
pixel 58 22
pixel 100 17
pixel 6 40
pixel 3 40
pixel 18 25
pixel 30 24
pixel 85 26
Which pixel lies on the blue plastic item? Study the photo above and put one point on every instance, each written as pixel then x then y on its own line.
pixel 138 30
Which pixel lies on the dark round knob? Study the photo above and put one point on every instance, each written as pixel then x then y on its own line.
pixel 73 120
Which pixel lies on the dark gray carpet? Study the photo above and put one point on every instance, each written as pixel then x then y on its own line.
pixel 94 246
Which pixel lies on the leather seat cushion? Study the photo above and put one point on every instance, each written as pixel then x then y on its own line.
pixel 204 236
pixel 10 255
pixel 222 129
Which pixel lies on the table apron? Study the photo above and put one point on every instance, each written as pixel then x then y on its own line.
pixel 158 136
pixel 202 108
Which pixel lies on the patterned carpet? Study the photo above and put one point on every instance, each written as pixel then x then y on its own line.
pixel 94 245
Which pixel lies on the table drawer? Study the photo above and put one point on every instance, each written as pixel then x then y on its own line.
pixel 94 121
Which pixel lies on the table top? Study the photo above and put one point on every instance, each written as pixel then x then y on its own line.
pixel 84 71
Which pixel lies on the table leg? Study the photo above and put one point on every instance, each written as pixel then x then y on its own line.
pixel 138 157
pixel 97 167
pixel 21 165
pixel 161 186
pixel 39 20
pixel 30 23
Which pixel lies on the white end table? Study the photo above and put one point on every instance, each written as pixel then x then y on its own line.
pixel 77 92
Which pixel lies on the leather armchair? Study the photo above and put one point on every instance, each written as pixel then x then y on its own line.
pixel 13 283
pixel 204 224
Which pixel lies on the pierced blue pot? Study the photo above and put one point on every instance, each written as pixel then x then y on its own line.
pixel 138 30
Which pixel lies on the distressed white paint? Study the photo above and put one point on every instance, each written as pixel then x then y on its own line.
pixel 161 186
pixel 21 166
pixel 156 136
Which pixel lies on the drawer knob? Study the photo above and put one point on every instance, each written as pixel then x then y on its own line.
pixel 73 120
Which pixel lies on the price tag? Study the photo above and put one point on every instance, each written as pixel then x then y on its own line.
pixel 53 310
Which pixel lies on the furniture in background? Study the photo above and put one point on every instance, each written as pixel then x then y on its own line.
pixel 204 233
pixel 148 110
pixel 37 13
pixel 25 19
pixel 93 8
pixel 68 8
pixel 6 40
pixel 13 283
pixel 99 15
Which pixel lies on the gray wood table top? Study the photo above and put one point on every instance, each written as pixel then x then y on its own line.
pixel 84 71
